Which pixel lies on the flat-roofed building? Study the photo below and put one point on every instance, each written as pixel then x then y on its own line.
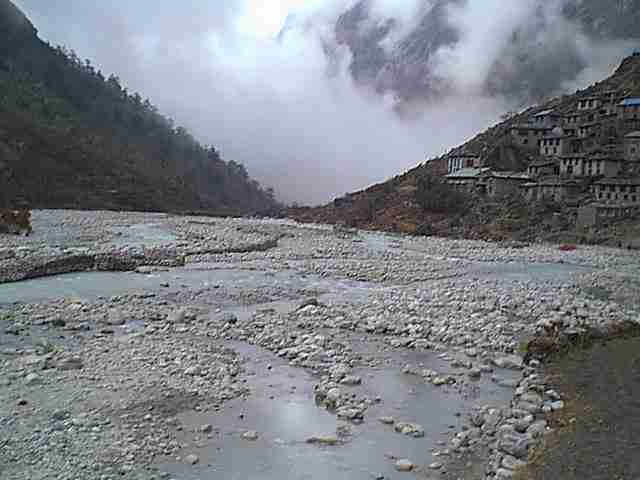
pixel 528 135
pixel 629 109
pixel 543 167
pixel 632 146
pixel 546 118
pixel 458 161
pixel 589 103
pixel 617 191
pixel 466 178
pixel 501 184
pixel 554 145
pixel 551 190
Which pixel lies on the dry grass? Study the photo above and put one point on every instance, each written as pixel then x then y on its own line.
pixel 16 220
pixel 588 436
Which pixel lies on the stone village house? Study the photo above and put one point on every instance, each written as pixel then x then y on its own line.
pixel 587 130
pixel 589 103
pixel 616 198
pixel 629 109
pixel 551 189
pixel 617 191
pixel 596 164
pixel 500 184
pixel 609 105
pixel 599 214
pixel 458 161
pixel 632 146
pixel 466 179
pixel 528 136
pixel 543 167
pixel 572 120
pixel 558 143
pixel 575 145
pixel 546 119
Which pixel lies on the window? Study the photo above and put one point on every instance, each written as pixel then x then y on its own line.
pixel 608 196
pixel 634 198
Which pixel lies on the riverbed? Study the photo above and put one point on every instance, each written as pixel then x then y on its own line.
pixel 161 371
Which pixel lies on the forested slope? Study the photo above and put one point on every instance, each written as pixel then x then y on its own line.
pixel 72 137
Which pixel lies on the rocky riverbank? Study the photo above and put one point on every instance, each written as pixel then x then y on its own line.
pixel 102 385
pixel 67 241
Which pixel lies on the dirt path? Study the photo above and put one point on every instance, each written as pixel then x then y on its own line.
pixel 598 434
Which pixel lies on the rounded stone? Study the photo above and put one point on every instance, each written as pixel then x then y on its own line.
pixel 251 435
pixel 404 465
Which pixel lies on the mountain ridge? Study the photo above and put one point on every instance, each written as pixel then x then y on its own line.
pixel 71 137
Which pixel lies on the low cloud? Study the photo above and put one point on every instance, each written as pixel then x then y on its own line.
pixel 298 122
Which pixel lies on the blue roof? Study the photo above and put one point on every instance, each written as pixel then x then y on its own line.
pixel 630 102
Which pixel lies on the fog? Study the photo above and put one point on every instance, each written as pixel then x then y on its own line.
pixel 273 102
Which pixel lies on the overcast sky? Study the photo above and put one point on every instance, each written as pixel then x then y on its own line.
pixel 216 67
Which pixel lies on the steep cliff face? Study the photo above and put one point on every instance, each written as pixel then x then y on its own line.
pixel 404 67
pixel 611 19
pixel 542 53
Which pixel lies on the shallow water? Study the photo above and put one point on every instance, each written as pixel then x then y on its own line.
pixel 523 272
pixel 91 285
pixel 281 407
pixel 282 410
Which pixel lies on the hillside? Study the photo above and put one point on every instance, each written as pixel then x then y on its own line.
pixel 537 175
pixel 71 137
pixel 541 55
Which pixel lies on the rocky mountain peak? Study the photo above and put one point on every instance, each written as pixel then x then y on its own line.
pixel 543 53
